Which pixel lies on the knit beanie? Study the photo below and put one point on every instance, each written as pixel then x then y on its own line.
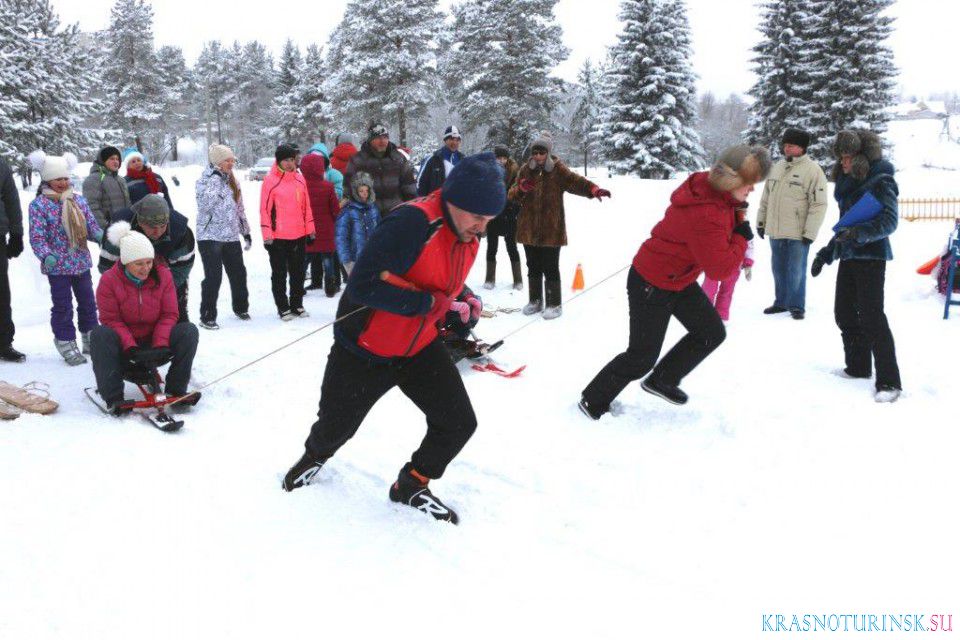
pixel 501 151
pixel 132 156
pixel 798 137
pixel 217 153
pixel 108 152
pixel 285 151
pixel 152 210
pixel 52 167
pixel 476 185
pixel 346 138
pixel 452 132
pixel 739 165
pixel 376 131
pixel 133 244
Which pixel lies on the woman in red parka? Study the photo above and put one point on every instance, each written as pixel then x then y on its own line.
pixel 321 253
pixel 137 301
pixel 703 230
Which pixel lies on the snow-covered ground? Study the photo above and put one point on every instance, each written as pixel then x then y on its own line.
pixel 780 487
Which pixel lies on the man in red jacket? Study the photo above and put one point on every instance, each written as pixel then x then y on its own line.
pixel 703 230
pixel 408 276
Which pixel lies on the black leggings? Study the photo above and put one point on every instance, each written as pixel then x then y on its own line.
pixel 493 243
pixel 542 262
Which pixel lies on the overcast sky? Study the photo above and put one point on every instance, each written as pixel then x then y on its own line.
pixel 925 41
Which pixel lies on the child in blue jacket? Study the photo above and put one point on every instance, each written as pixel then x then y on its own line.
pixel 357 220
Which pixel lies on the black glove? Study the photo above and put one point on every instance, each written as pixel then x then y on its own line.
pixel 848 234
pixel 760 232
pixel 807 241
pixel 14 246
pixel 816 267
pixel 743 230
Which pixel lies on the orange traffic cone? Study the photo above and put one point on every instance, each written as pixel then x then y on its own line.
pixel 578 279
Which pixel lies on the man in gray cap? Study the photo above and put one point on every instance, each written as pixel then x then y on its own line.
pixel 172 239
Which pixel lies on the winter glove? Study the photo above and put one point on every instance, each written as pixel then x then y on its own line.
pixel 848 234
pixel 50 262
pixel 599 193
pixel 816 267
pixel 476 307
pixel 441 304
pixel 760 232
pixel 132 353
pixel 526 185
pixel 748 273
pixel 247 242
pixel 462 309
pixel 14 246
pixel 743 230
pixel 807 241
pixel 149 358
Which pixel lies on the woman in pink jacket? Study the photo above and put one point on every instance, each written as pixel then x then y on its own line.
pixel 286 222
pixel 138 308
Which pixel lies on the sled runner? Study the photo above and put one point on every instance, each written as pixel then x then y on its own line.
pixel 152 407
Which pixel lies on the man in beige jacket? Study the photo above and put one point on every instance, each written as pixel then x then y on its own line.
pixel 791 211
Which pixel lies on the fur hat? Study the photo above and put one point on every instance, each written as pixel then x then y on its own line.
pixel 133 245
pixel 108 152
pixel 798 137
pixel 543 141
pixel 362 179
pixel 52 167
pixel 152 210
pixel 739 165
pixel 475 184
pixel 863 145
pixel 217 153
pixel 452 132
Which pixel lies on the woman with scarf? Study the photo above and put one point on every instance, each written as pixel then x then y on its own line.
pixel 141 179
pixel 61 223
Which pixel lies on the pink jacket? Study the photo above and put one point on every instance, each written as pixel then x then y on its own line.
pixel 138 313
pixel 285 212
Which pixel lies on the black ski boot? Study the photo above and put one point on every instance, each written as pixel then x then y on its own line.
pixel 9 354
pixel 302 473
pixel 411 489
pixel 669 392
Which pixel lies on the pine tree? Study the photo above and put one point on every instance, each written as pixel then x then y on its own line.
pixel 130 71
pixel 783 92
pixel 253 113
pixel 648 126
pixel 587 115
pixel 289 72
pixel 498 71
pixel 312 110
pixel 216 88
pixel 384 62
pixel 852 70
pixel 174 80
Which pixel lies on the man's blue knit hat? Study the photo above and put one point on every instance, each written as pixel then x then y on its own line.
pixel 476 185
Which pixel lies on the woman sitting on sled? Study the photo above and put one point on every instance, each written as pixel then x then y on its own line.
pixel 138 328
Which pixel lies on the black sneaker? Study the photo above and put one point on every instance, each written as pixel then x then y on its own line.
pixel 243 315
pixel 313 286
pixel 413 491
pixel 668 392
pixel 774 309
pixel 589 410
pixel 300 312
pixel 302 473
pixel 209 324
pixel 796 314
pixel 9 354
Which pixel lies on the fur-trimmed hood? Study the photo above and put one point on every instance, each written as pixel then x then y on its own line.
pixel 865 147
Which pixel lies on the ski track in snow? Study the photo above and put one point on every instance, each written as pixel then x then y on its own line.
pixel 779 488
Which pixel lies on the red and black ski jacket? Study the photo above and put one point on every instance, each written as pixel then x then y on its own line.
pixel 416 242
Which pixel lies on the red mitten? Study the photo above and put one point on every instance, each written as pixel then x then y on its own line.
pixel 526 185
pixel 599 193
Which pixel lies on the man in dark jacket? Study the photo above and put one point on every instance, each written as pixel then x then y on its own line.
pixel 392 173
pixel 863 250
pixel 11 246
pixel 104 190
pixel 440 164
pixel 405 281
pixel 172 239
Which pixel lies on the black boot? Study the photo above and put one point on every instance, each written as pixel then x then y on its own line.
pixel 302 473
pixel 536 297
pixel 491 280
pixel 554 307
pixel 517 276
pixel 411 489
pixel 9 354
pixel 670 393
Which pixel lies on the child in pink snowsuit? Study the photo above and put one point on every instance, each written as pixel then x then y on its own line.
pixel 720 292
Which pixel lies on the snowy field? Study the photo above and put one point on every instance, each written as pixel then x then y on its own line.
pixel 779 489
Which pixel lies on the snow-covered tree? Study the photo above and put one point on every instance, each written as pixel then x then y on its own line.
pixel 783 92
pixel 586 117
pixel 252 115
pixel 498 70
pixel 174 107
pixel 852 69
pixel 312 107
pixel 216 87
pixel 648 124
pixel 131 75
pixel 46 81
pixel 383 62
pixel 285 124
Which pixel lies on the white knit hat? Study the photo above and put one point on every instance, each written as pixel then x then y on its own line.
pixel 53 167
pixel 133 244
pixel 218 153
pixel 130 156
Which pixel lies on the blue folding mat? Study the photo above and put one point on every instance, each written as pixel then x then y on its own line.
pixel 866 208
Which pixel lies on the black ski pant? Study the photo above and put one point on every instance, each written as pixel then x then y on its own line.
pixel 183 294
pixel 109 362
pixel 6 313
pixel 218 257
pixel 650 312
pixel 858 310
pixel 352 385
pixel 542 263
pixel 493 244
pixel 324 271
pixel 286 259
